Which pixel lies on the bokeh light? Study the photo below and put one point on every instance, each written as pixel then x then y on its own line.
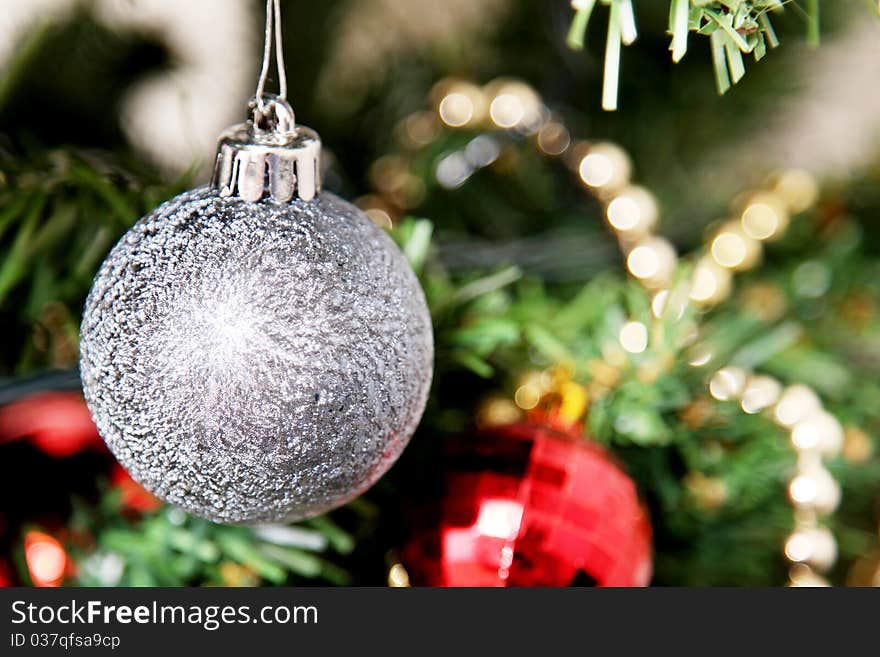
pixel 632 211
pixel 605 166
pixel 634 337
pixel 653 261
pixel 711 282
pixel 764 217
pixel 45 557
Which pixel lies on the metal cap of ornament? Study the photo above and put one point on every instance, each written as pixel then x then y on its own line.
pixel 269 154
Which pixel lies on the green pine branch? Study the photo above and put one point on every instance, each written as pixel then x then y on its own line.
pixel 734 27
pixel 495 325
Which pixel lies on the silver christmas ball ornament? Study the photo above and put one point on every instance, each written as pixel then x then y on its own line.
pixel 257 350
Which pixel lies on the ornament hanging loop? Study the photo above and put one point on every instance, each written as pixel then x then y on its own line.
pixel 273 30
pixel 274 122
pixel 269 156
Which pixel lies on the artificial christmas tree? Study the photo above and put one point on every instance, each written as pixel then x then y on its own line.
pixel 709 324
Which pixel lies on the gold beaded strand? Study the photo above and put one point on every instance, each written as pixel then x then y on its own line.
pixel 631 211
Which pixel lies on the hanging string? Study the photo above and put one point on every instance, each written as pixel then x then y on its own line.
pixel 273 25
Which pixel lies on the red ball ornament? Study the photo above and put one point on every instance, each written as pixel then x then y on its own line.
pixel 134 496
pixel 58 423
pixel 5 575
pixel 527 505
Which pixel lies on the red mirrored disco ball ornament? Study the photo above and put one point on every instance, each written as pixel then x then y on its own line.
pixel 527 505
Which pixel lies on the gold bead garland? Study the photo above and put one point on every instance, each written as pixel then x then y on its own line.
pixel 816 436
pixel 631 212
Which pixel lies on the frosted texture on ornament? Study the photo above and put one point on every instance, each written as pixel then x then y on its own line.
pixel 256 361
